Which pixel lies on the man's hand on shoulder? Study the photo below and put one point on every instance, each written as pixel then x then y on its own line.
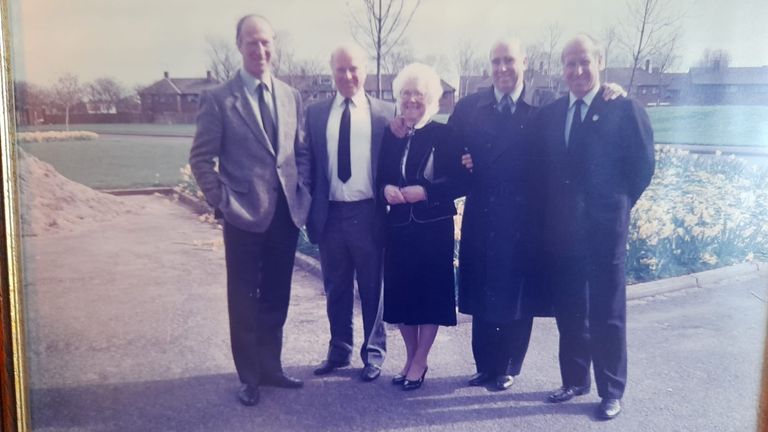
pixel 613 91
pixel 398 127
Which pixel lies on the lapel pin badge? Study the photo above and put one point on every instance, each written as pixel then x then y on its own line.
pixel 595 118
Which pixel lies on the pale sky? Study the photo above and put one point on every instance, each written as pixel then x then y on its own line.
pixel 134 41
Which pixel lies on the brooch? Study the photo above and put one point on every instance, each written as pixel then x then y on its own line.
pixel 595 118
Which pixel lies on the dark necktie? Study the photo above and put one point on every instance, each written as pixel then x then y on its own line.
pixel 344 171
pixel 575 122
pixel 506 106
pixel 266 117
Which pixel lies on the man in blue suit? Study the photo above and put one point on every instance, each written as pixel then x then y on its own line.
pixel 598 158
pixel 253 125
pixel 346 218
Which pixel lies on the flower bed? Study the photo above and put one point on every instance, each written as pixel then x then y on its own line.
pixel 50 136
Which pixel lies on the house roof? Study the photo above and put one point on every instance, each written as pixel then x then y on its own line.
pixel 179 86
pixel 731 75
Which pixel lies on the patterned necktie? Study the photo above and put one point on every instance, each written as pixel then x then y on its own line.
pixel 506 106
pixel 266 117
pixel 344 169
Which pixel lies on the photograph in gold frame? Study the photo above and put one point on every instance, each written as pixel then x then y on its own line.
pixel 16 343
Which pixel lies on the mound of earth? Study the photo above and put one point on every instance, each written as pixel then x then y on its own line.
pixel 52 203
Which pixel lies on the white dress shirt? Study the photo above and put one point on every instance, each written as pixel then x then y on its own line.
pixel 515 95
pixel 588 98
pixel 360 185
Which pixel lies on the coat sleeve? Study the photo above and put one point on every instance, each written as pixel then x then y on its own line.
pixel 450 183
pixel 301 146
pixel 386 173
pixel 640 160
pixel 206 146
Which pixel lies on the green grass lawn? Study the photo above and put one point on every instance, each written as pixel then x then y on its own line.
pixel 119 163
pixel 128 128
pixel 711 125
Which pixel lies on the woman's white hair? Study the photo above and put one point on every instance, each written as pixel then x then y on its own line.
pixel 421 73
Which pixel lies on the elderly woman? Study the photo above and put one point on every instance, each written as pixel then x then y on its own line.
pixel 418 175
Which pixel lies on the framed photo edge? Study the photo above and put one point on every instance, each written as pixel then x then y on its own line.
pixel 13 379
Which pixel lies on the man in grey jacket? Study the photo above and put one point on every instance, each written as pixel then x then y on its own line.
pixel 253 125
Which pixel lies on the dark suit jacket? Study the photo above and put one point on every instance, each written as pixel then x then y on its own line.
pixel 591 185
pixel 317 122
pixel 245 188
pixel 444 187
pixel 498 223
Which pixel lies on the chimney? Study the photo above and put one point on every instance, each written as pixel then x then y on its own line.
pixel 165 75
pixel 648 65
pixel 541 67
pixel 208 76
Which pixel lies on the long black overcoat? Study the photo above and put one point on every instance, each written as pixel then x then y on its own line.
pixel 497 259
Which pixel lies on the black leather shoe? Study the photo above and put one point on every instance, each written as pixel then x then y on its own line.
pixel 370 372
pixel 608 409
pixel 398 379
pixel 504 382
pixel 329 366
pixel 248 395
pixel 479 379
pixel 413 385
pixel 564 394
pixel 282 381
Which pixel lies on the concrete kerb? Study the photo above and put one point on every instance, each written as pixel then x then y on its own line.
pixel 634 291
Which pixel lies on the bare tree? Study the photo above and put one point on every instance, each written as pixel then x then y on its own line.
pixel 30 100
pixel 466 65
pixel 553 33
pixel 379 25
pixel 397 59
pixel 536 57
pixel 609 38
pixel 649 25
pixel 67 92
pixel 664 59
pixel 223 58
pixel 714 59
pixel 105 92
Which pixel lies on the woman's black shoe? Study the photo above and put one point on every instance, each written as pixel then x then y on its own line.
pixel 398 379
pixel 413 385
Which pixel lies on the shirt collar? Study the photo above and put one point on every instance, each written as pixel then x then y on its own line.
pixel 515 95
pixel 588 98
pixel 251 82
pixel 358 100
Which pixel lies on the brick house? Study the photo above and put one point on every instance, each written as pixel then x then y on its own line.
pixel 173 100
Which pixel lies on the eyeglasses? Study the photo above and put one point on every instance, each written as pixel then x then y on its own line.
pixel 415 94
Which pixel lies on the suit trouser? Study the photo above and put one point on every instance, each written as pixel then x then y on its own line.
pixel 259 270
pixel 590 308
pixel 499 349
pixel 351 247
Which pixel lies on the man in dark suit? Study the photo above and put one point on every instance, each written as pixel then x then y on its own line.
pixel 598 158
pixel 346 219
pixel 253 125
pixel 495 247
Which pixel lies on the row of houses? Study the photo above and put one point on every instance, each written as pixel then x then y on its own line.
pixel 174 100
pixel 699 86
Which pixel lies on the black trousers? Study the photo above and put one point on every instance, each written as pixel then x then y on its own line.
pixel 590 309
pixel 259 270
pixel 499 349
pixel 351 248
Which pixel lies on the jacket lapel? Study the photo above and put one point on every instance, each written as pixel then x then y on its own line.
pixel 243 107
pixel 319 132
pixel 286 124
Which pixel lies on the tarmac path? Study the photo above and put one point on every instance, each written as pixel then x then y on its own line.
pixel 127 331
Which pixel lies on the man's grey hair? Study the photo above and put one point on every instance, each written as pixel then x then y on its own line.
pixel 509 41
pixel 244 18
pixel 587 41
pixel 354 50
pixel 423 74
